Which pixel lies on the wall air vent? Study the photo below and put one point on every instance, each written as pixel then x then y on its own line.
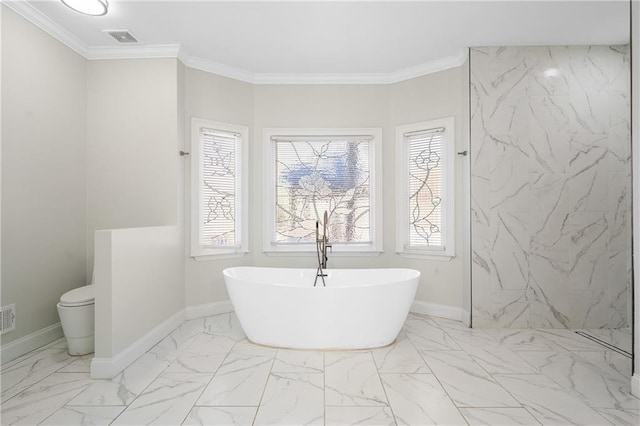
pixel 7 318
pixel 121 36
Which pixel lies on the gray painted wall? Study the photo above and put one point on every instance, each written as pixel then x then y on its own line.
pixel 434 96
pixel 44 173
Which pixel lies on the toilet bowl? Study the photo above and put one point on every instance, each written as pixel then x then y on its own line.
pixel 76 311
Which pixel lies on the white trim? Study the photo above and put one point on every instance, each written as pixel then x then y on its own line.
pixel 42 21
pixel 312 253
pixel 219 69
pixel 55 30
pixel 440 311
pixel 465 317
pixel 107 368
pixel 635 385
pixel 375 161
pixel 28 343
pixel 424 256
pixel 133 52
pixel 402 190
pixel 437 65
pixel 207 257
pixel 242 187
pixel 209 309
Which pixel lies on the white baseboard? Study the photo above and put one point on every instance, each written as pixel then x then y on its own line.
pixel 208 309
pixel 465 317
pixel 28 343
pixel 635 385
pixel 107 368
pixel 440 311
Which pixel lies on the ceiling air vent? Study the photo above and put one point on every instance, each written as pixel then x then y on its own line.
pixel 122 36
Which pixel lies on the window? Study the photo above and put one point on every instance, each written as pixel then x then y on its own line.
pixel 310 171
pixel 218 189
pixel 425 188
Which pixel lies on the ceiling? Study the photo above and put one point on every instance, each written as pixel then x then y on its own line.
pixel 357 40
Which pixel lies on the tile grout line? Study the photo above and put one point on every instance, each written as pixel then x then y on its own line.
pixel 210 380
pixel 56 371
pixel 264 389
pixel 442 386
pixel 153 380
pixel 384 388
pixel 522 405
pixel 492 378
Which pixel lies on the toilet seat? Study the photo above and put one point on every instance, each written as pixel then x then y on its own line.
pixel 80 296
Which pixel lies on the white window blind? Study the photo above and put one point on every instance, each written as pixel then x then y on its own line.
pixel 314 174
pixel 425 182
pixel 426 187
pixel 218 189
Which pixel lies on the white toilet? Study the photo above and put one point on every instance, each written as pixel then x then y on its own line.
pixel 76 311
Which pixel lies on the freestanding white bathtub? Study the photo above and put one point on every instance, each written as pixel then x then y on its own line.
pixel 358 309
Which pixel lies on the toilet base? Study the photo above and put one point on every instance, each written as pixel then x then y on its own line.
pixel 78 328
pixel 80 345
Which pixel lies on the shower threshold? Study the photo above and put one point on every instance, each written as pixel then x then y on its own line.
pixel 618 340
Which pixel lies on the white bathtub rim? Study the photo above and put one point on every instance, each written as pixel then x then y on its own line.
pixel 262 280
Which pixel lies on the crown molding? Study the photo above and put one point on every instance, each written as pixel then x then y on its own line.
pixel 43 22
pixel 219 69
pixel 441 64
pixel 453 61
pixel 326 78
pixel 134 52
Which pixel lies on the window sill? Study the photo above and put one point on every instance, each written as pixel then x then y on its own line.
pixel 309 253
pixel 439 257
pixel 205 257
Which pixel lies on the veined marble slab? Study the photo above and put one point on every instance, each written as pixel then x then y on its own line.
pixel 167 400
pixel 292 399
pixel 548 401
pixel 239 416
pixel 43 398
pixel 550 178
pixel 420 399
pixel 466 382
pixel 351 379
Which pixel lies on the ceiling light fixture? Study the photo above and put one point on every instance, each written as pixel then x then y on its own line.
pixel 88 7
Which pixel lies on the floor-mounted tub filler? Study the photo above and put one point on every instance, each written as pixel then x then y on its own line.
pixel 358 308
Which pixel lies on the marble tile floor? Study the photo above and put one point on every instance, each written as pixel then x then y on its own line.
pixel 437 372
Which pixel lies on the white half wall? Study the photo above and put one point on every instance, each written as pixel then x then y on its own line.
pixel 139 293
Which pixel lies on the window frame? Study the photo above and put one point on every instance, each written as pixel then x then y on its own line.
pixel 448 191
pixel 375 163
pixel 198 251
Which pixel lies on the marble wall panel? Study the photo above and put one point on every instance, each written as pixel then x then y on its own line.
pixel 510 251
pixel 550 186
